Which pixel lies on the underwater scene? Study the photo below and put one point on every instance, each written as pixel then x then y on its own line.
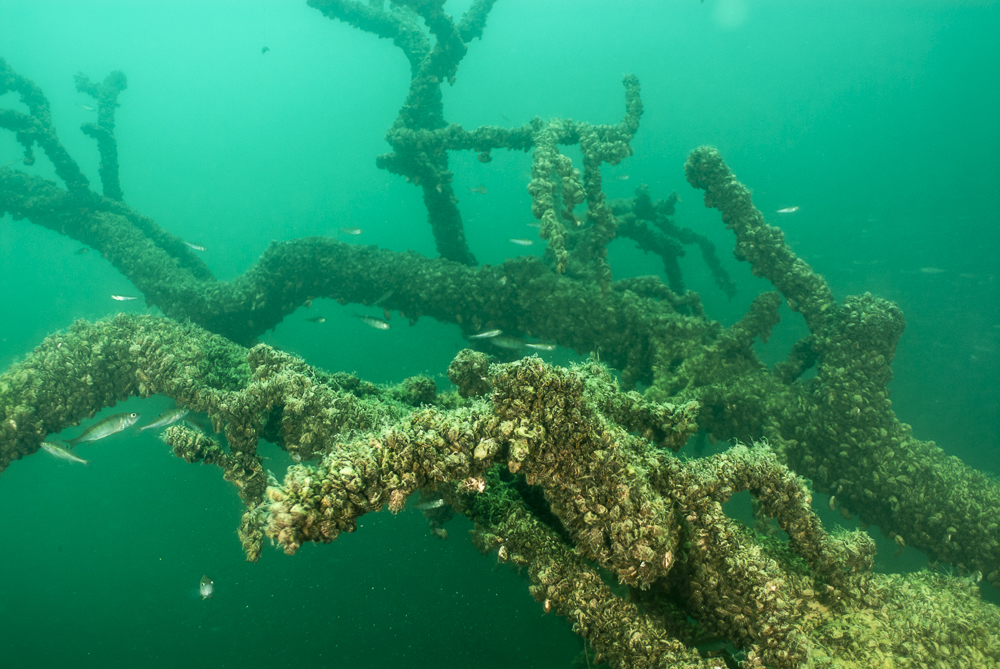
pixel 500 333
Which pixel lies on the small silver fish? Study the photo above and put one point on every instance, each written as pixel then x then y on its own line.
pixel 507 342
pixel 622 177
pixel 166 418
pixel 481 190
pixel 86 107
pixel 62 453
pixel 522 242
pixel 788 210
pixel 542 347
pixel 111 425
pixel 375 322
pixel 351 231
pixel 489 334
pixel 205 587
pixel 196 247
pixel 433 504
pixel 317 319
pixel 123 298
pixel 192 424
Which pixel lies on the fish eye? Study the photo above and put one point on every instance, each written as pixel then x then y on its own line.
pixel 133 415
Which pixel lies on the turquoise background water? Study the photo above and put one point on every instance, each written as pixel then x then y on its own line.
pixel 877 119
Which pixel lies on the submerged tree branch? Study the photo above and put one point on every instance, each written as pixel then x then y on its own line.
pixel 652 520
pixel 106 96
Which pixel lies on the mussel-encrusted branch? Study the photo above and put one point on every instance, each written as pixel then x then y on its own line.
pixel 36 127
pixel 616 499
pixel 106 97
pixel 838 427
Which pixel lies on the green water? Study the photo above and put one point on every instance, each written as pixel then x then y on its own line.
pixel 877 119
